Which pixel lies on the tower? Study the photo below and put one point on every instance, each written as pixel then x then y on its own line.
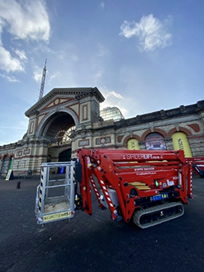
pixel 43 81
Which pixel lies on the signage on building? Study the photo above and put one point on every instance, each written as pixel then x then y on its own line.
pixel 23 152
pixel 26 151
pixel 83 142
pixel 61 143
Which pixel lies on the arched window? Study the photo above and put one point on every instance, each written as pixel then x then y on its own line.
pixel 133 144
pixel 5 164
pixel 180 141
pixel 155 141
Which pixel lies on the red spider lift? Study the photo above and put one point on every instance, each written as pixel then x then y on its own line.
pixel 147 187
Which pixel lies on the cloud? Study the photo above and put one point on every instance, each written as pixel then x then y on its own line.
pixel 9 63
pixel 21 54
pixel 150 31
pixel 54 77
pixel 37 74
pixel 114 94
pixel 9 78
pixel 28 20
pixel 23 20
pixel 113 99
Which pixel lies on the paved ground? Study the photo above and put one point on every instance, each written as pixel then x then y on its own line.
pixel 96 243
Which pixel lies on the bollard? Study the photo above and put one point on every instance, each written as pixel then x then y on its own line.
pixel 18 186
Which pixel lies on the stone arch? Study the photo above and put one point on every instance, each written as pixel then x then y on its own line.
pixel 160 131
pixel 156 130
pixel 180 129
pixel 51 117
pixel 186 131
pixel 5 155
pixel 128 138
pixel 144 135
pixel 171 132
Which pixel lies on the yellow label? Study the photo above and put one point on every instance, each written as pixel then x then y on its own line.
pixel 56 216
pixel 180 141
pixel 133 144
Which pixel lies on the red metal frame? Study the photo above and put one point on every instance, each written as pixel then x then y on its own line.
pixel 148 173
pixel 197 165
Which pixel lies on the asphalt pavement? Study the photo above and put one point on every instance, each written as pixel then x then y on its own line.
pixel 96 243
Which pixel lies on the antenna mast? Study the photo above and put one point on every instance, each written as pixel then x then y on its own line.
pixel 43 81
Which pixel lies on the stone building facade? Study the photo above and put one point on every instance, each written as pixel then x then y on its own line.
pixel 68 119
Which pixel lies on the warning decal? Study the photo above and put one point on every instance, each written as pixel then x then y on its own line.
pixel 56 216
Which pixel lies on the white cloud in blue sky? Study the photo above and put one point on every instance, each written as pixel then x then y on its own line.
pixel 150 31
pixel 27 20
pixel 142 55
pixel 9 78
pixel 112 98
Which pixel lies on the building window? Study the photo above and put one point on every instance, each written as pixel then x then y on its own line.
pixel 31 127
pixel 111 113
pixel 85 112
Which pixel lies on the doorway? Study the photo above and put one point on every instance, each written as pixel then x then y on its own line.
pixel 65 155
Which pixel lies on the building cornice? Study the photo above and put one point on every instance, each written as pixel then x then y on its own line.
pixel 78 93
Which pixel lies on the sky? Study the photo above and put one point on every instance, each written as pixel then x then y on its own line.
pixel 143 55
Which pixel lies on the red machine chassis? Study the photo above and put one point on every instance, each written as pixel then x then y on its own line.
pixel 140 179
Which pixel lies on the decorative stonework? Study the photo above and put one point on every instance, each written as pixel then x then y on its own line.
pixel 195 127
pixel 83 143
pixel 40 118
pixel 103 140
pixel 75 109
pixel 31 128
pixel 63 108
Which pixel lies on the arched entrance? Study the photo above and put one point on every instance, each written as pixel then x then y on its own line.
pixel 57 130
